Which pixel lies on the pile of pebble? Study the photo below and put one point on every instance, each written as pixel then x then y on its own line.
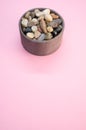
pixel 41 25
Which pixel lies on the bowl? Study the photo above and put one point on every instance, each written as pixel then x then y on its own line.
pixel 41 48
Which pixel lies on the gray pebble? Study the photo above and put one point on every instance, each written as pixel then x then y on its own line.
pixel 42 37
pixel 55 23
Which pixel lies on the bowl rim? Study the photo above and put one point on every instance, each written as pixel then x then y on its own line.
pixel 36 41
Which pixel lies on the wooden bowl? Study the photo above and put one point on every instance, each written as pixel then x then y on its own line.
pixel 41 48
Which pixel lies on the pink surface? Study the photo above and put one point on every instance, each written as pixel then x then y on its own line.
pixel 43 93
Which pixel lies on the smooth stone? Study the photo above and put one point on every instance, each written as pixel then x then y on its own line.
pixel 29 18
pixel 39 29
pixel 55 23
pixel 46 11
pixel 49 29
pixel 30 35
pixel 59 21
pixel 37 34
pixel 36 11
pixel 24 22
pixel 42 37
pixel 54 16
pixel 59 28
pixel 27 14
pixel 41 17
pixel 26 30
pixel 48 17
pixel 34 28
pixel 35 21
pixel 49 36
pixel 54 33
pixel 38 14
pixel 43 25
pixel 33 14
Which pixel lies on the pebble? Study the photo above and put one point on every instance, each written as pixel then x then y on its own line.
pixel 48 17
pixel 34 28
pixel 54 16
pixel 39 29
pixel 55 23
pixel 26 30
pixel 32 14
pixel 37 34
pixel 54 33
pixel 30 35
pixel 24 22
pixel 36 11
pixel 38 14
pixel 59 28
pixel 29 18
pixel 49 29
pixel 49 36
pixel 43 26
pixel 27 14
pixel 41 17
pixel 42 37
pixel 35 21
pixel 59 21
pixel 46 11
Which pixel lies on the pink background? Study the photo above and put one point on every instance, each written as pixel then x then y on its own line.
pixel 43 93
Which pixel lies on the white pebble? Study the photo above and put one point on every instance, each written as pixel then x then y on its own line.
pixel 24 22
pixel 49 29
pixel 48 17
pixel 34 28
pixel 34 20
pixel 38 14
pixel 36 11
pixel 46 11
pixel 30 35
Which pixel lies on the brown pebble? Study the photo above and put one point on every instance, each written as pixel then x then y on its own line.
pixel 29 18
pixel 32 14
pixel 37 34
pixel 43 25
pixel 39 29
pixel 54 16
pixel 27 14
